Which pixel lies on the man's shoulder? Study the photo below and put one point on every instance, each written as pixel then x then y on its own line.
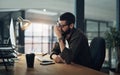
pixel 78 32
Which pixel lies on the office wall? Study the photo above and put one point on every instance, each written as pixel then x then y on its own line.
pixel 50 4
pixel 95 9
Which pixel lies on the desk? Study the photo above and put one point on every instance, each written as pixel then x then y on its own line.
pixel 20 68
pixel 54 69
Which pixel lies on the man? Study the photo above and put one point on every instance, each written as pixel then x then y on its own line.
pixel 77 50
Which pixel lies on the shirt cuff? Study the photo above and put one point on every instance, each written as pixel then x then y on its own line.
pixel 66 55
pixel 51 55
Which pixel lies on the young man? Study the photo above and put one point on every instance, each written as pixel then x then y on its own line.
pixel 77 50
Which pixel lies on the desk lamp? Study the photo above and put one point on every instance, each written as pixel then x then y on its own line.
pixel 23 23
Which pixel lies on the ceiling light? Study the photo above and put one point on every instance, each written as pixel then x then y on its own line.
pixel 44 10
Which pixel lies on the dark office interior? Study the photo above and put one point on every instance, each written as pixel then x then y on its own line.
pixel 94 17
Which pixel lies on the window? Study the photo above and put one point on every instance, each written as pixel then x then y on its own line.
pixel 38 38
pixel 97 28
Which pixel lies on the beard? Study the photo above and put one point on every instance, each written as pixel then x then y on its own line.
pixel 64 33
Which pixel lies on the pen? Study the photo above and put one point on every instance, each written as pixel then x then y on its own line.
pixel 43 54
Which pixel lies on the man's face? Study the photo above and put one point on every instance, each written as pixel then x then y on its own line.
pixel 65 29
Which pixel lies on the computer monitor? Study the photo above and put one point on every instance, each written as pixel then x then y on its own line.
pixel 12 34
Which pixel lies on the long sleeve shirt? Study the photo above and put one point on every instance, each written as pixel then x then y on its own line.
pixel 78 51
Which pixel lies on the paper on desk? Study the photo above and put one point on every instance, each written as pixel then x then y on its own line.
pixel 43 58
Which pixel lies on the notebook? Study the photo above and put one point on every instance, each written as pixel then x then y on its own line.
pixel 44 61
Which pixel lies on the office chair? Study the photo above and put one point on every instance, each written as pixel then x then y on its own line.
pixel 7 51
pixel 97 49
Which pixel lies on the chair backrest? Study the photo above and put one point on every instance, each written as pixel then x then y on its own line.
pixel 12 34
pixel 97 49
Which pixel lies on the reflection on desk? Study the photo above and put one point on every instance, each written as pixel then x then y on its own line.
pixel 20 68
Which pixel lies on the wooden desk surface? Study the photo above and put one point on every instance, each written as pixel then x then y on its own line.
pixel 20 68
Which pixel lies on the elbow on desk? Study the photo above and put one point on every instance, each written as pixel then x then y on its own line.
pixel 67 59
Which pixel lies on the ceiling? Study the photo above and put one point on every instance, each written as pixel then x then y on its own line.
pixel 94 9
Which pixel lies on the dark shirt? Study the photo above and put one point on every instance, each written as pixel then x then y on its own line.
pixel 78 51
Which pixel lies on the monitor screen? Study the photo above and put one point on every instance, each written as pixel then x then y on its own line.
pixel 12 33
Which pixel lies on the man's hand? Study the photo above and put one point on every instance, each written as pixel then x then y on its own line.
pixel 57 58
pixel 57 31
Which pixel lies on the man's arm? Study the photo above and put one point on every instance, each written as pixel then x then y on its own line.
pixel 55 50
pixel 55 55
pixel 57 58
pixel 59 37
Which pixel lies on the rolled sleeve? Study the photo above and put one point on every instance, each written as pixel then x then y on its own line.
pixel 66 55
pixel 55 50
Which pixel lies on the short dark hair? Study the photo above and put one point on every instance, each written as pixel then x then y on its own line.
pixel 68 17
